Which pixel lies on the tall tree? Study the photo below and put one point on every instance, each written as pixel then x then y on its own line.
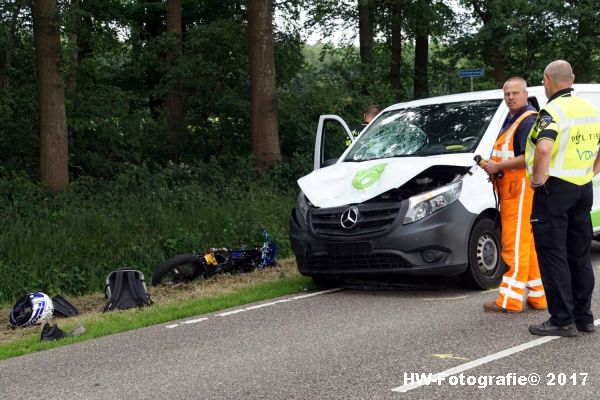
pixel 421 71
pixel 51 96
pixel 396 7
pixel 174 101
pixel 263 90
pixel 149 15
pixel 365 31
pixel 587 42
pixel 495 18
pixel 9 46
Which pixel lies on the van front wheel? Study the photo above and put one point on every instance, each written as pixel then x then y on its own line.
pixel 485 267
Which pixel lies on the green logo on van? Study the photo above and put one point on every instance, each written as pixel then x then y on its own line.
pixel 366 177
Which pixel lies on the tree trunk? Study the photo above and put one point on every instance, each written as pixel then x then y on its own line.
pixel 395 77
pixel 421 86
pixel 4 81
pixel 492 54
pixel 365 32
pixel 263 88
pixel 174 105
pixel 51 96
pixel 499 64
pixel 73 46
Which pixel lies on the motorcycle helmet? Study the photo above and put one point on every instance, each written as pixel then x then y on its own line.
pixel 31 309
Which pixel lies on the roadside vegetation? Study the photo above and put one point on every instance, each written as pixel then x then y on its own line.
pixel 131 131
pixel 170 303
pixel 67 243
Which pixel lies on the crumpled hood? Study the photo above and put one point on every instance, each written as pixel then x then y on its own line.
pixel 355 182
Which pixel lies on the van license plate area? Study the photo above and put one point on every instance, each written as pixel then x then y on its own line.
pixel 350 249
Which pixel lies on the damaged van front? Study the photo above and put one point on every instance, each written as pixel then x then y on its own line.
pixel 406 197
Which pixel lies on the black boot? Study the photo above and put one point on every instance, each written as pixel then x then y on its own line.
pixel 547 329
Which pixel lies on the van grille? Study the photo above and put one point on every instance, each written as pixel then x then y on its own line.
pixel 373 218
pixel 349 263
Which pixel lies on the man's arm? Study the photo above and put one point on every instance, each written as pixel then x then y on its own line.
pixel 493 167
pixel 541 161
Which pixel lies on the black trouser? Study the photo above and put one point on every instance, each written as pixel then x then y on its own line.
pixel 562 230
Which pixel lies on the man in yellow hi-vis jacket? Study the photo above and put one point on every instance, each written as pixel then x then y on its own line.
pixel 562 158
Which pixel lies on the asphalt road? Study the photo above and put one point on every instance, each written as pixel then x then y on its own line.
pixel 358 342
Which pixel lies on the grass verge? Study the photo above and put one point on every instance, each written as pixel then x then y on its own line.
pixel 197 298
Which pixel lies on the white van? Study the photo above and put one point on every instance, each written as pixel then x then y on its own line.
pixel 406 196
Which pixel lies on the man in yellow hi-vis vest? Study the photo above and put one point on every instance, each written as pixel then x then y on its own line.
pixel 562 158
pixel 507 171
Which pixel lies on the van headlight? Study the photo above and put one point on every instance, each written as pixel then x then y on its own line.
pixel 427 203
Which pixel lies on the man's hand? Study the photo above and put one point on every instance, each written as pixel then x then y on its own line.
pixel 492 167
pixel 537 181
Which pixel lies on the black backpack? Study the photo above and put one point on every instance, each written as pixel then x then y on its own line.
pixel 126 288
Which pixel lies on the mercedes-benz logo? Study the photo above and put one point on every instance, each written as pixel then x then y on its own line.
pixel 349 218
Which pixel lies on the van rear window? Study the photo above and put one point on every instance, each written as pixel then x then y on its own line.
pixel 426 130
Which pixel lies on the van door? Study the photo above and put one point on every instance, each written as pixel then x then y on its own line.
pixel 333 137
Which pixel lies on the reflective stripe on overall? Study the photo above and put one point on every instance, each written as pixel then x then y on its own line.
pixel 518 249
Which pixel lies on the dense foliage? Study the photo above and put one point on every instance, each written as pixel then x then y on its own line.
pixel 133 201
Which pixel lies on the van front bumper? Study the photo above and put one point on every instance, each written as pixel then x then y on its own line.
pixel 434 245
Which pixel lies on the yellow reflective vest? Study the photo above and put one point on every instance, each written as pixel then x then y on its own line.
pixel 577 122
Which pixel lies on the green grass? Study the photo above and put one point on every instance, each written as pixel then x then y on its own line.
pixel 120 321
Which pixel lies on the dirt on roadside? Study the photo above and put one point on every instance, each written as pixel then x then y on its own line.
pixel 91 305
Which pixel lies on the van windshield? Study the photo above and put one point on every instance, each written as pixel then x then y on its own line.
pixel 426 130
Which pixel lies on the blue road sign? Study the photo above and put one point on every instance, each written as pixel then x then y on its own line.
pixel 466 73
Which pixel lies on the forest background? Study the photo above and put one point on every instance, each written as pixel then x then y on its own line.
pixel 133 130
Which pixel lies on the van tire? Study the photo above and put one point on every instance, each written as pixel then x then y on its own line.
pixel 485 267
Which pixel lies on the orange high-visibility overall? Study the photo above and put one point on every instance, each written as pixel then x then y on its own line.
pixel 518 249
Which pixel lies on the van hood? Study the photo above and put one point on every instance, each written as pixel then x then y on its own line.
pixel 355 182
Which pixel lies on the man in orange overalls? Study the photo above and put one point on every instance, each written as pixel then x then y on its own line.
pixel 507 171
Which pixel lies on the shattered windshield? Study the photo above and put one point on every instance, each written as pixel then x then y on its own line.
pixel 426 130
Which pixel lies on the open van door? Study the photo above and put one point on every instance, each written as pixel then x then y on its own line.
pixel 333 136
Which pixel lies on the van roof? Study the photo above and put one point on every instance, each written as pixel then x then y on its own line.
pixel 484 95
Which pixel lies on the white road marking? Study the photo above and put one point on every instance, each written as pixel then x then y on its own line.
pixel 231 312
pixel 267 304
pixel 304 296
pixel 188 322
pixel 193 321
pixel 255 307
pixel 481 361
pixel 260 306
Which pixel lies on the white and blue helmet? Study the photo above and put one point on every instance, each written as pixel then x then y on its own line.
pixel 31 309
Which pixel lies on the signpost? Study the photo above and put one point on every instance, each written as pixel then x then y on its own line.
pixel 470 73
